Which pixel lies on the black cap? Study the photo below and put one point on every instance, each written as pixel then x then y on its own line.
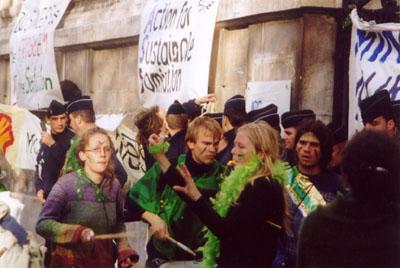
pixel 70 90
pixel 396 111
pixel 176 108
pixel 82 103
pixel 269 109
pixel 271 119
pixel 375 106
pixel 294 118
pixel 338 131
pixel 55 108
pixel 215 116
pixel 192 109
pixel 237 103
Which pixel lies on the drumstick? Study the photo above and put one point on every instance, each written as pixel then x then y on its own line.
pixel 113 235
pixel 125 234
pixel 182 246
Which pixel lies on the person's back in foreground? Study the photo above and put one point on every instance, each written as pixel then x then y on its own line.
pixel 362 228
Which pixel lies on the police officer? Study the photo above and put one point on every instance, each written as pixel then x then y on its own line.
pixel 54 146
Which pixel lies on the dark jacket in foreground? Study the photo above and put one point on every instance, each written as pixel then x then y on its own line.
pixel 225 155
pixel 246 237
pixel 348 233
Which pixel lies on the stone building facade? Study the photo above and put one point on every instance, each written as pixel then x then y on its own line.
pixel 96 46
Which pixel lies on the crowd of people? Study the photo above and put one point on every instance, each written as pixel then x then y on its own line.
pixel 230 189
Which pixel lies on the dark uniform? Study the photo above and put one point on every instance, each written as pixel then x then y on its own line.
pixel 225 155
pixel 50 161
pixel 235 112
pixel 177 145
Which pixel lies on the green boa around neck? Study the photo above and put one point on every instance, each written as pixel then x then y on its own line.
pixel 72 165
pixel 229 192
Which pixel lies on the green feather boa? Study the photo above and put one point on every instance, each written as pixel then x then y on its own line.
pixel 229 192
pixel 72 165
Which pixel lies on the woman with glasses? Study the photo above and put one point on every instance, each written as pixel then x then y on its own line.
pixel 84 203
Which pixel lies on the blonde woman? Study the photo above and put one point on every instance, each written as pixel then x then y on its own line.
pixel 249 213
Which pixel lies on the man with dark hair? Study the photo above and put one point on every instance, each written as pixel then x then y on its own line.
pixel 234 116
pixel 377 113
pixel 290 122
pixel 53 148
pixel 153 199
pixel 177 122
pixel 360 229
pixel 82 118
pixel 310 183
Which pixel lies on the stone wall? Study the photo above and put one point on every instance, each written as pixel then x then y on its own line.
pixel 96 47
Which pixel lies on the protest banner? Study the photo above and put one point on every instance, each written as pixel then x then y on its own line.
pixel 262 93
pixel 129 152
pixel 34 79
pixel 374 64
pixel 174 50
pixel 19 136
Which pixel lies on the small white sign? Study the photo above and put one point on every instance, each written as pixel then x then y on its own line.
pixel 262 93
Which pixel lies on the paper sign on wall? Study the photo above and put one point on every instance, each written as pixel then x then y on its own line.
pixel 262 93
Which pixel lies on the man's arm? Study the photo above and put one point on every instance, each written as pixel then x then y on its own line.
pixel 158 227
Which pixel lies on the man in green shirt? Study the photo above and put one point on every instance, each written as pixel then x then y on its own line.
pixel 153 200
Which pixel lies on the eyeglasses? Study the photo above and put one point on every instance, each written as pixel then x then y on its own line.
pixel 99 150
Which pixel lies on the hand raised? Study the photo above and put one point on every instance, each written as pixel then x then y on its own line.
pixel 155 139
pixel 47 139
pixel 209 98
pixel 190 189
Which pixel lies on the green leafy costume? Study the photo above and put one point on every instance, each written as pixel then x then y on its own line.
pixel 154 195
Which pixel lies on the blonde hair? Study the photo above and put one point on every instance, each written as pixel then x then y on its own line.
pixel 266 143
pixel 206 123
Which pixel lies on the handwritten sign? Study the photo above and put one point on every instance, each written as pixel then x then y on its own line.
pixel 374 64
pixel 174 50
pixel 34 79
